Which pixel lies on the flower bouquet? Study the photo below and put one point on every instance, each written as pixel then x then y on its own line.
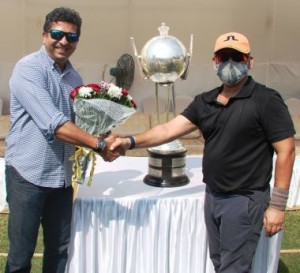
pixel 98 108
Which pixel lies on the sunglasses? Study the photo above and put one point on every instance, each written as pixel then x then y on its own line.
pixel 59 34
pixel 234 56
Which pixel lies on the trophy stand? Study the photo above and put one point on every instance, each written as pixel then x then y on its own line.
pixel 167 161
pixel 163 60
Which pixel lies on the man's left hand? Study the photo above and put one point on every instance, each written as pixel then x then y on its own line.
pixel 273 221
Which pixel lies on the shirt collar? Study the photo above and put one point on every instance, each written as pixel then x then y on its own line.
pixel 245 92
pixel 51 62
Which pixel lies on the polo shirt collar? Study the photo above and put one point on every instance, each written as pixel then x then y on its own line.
pixel 246 91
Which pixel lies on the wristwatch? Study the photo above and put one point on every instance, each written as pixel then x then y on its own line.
pixel 100 146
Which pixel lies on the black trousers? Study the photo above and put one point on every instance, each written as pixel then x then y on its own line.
pixel 234 223
pixel 30 206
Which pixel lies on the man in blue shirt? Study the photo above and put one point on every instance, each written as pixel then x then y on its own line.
pixel 40 143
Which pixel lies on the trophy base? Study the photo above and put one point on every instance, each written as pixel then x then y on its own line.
pixel 166 169
pixel 166 182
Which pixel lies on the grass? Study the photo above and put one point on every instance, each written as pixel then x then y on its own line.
pixel 36 262
pixel 289 262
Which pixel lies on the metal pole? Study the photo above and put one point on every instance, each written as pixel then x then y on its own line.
pixel 157 104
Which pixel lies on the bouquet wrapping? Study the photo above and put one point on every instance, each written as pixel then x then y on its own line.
pixel 99 108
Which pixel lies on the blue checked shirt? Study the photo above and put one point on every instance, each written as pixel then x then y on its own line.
pixel 40 102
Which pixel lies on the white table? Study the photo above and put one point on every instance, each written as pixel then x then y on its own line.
pixel 3 204
pixel 294 191
pixel 293 201
pixel 121 225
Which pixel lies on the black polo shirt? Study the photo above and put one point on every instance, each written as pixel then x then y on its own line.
pixel 238 153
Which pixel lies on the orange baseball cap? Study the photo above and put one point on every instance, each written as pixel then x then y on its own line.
pixel 233 40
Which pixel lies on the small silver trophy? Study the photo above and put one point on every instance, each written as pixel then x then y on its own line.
pixel 164 59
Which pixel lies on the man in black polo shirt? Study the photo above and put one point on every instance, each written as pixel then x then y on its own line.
pixel 243 123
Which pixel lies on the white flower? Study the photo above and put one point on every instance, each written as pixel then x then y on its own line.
pixel 85 92
pixel 114 91
pixel 129 97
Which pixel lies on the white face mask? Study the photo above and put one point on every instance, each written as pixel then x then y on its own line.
pixel 231 72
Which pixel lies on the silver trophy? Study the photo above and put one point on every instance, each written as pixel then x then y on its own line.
pixel 164 59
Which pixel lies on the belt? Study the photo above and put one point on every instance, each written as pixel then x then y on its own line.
pixel 241 192
pixel 238 191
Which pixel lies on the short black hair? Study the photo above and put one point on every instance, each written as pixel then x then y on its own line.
pixel 63 14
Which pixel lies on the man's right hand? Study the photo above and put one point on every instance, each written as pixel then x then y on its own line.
pixel 108 154
pixel 120 143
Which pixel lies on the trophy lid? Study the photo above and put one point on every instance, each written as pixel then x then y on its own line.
pixel 164 58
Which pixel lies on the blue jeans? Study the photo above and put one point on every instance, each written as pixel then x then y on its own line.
pixel 30 206
pixel 234 223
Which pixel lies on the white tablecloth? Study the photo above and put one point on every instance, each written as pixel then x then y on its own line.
pixel 293 201
pixel 3 204
pixel 294 192
pixel 121 225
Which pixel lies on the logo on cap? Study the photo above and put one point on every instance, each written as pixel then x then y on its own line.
pixel 232 37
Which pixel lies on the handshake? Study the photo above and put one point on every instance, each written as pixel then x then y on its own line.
pixel 115 146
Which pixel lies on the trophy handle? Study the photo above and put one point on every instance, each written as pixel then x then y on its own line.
pixel 191 45
pixel 135 52
pixel 189 57
pixel 142 72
